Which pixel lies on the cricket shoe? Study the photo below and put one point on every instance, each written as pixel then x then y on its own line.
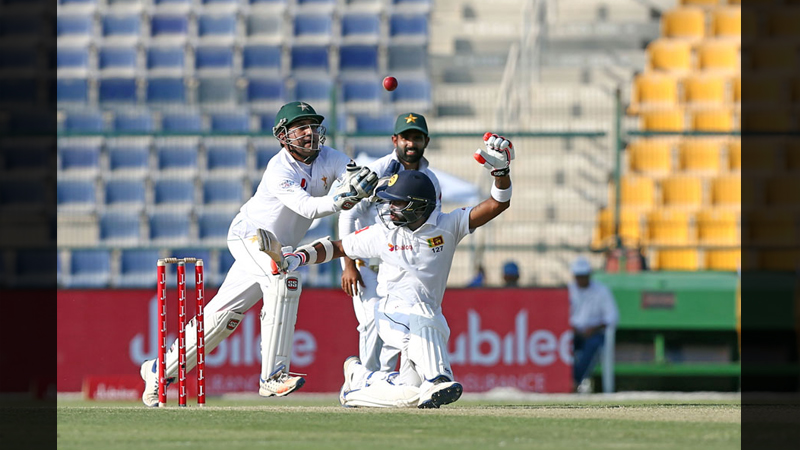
pixel 150 377
pixel 442 392
pixel 280 384
pixel 349 365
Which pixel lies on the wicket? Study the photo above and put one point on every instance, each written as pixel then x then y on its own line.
pixel 162 331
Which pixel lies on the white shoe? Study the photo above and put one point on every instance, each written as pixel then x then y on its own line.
pixel 349 364
pixel 442 392
pixel 150 377
pixel 586 386
pixel 280 384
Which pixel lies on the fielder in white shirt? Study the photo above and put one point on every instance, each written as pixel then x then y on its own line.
pixel 292 193
pixel 359 277
pixel 416 246
pixel 592 310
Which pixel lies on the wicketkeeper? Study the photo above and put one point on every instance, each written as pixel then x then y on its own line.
pixel 292 193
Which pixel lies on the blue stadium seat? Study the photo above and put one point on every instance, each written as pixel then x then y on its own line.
pixel 79 156
pixel 74 30
pixel 407 60
pixel 310 58
pixel 266 92
pixel 265 29
pixel 358 60
pixel 120 229
pixel 83 6
pixel 72 91
pixel 226 157
pixel 314 91
pixel 136 268
pixel 264 152
pixel 262 60
pixel 117 61
pixel 360 28
pixel 362 95
pixel 216 91
pixel 371 123
pixel 34 268
pixel 121 29
pixel 118 90
pixel 166 29
pixel 313 29
pixel 216 59
pixel 178 158
pixel 212 227
pixel 217 29
pixel 84 121
pixel 165 91
pixel 221 5
pixel 370 148
pixel 230 122
pixel 129 157
pixel 226 260
pixel 125 6
pixel 72 62
pixel 341 120
pixel 76 196
pixel 173 6
pixel 409 28
pixel 166 61
pixel 181 122
pixel 267 121
pixel 89 269
pixel 169 229
pixel 128 195
pixel 140 121
pixel 174 195
pixel 223 193
pixel 414 94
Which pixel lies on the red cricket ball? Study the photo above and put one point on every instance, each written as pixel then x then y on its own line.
pixel 390 83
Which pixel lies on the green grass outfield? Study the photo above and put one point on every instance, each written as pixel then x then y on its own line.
pixel 318 422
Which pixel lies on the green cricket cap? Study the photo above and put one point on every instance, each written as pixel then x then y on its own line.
pixel 296 111
pixel 410 121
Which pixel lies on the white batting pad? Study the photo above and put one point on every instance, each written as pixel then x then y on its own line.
pixel 382 394
pixel 278 318
pixel 427 345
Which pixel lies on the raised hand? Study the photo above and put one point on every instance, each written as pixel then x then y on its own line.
pixel 497 155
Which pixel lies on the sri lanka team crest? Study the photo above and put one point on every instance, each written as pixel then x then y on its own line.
pixel 392 180
pixel 435 241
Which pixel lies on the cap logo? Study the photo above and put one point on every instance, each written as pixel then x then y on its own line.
pixel 392 180
pixel 411 119
pixel 303 106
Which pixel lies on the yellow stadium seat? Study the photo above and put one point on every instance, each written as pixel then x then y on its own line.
pixel 704 90
pixel 663 120
pixel 718 227
pixel 727 22
pixel 670 227
pixel 771 227
pixel 718 55
pixel 775 56
pixel 703 3
pixel 769 120
pixel 670 55
pixel 653 91
pixel 688 23
pixel 783 191
pixel 700 156
pixel 677 259
pixel 728 260
pixel 629 228
pixel 783 22
pixel 718 119
pixel 637 192
pixel 682 192
pixel 650 156
pixel 735 155
pixel 726 191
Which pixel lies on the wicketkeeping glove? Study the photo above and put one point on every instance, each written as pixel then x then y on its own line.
pixel 497 156
pixel 358 183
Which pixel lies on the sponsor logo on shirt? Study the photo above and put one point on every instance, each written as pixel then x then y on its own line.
pixel 435 241
pixel 288 185
pixel 398 248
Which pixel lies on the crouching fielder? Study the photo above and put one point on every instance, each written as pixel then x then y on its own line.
pixel 416 245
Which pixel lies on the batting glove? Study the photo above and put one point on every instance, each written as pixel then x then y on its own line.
pixel 292 260
pixel 497 156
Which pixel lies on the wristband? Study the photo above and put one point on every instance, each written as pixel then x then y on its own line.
pixel 501 195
